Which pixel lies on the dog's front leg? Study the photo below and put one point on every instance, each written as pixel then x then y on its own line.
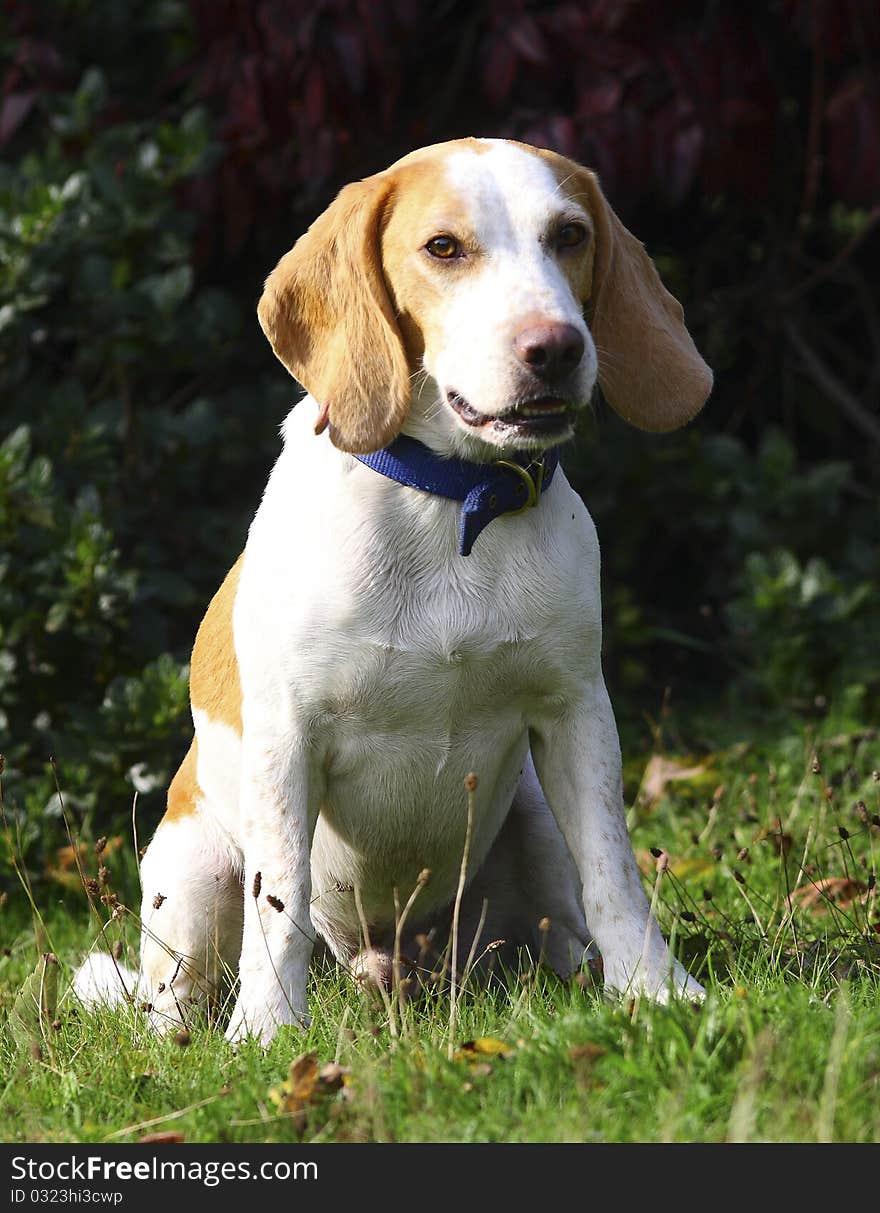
pixel 277 822
pixel 577 758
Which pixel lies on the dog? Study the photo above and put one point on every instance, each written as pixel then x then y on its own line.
pixel 418 603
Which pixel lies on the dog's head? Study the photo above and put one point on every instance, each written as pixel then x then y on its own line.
pixel 473 293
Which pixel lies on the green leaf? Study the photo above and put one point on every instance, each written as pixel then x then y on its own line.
pixel 56 616
pixel 35 1004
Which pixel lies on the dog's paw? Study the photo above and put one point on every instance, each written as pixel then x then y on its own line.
pixel 659 983
pixel 676 983
pixel 261 1023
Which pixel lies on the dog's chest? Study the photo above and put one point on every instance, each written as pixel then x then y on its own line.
pixel 441 652
pixel 451 686
pixel 383 631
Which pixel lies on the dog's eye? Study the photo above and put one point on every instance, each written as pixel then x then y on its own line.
pixel 444 247
pixel 570 235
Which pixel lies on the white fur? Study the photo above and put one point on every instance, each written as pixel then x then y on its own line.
pixel 378 667
pixel 512 201
pixel 100 979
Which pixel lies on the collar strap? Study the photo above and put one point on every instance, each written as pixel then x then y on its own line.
pixel 486 490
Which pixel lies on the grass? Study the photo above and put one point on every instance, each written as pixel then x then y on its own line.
pixel 786 1047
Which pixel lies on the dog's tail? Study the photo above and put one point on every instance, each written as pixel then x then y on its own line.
pixel 100 981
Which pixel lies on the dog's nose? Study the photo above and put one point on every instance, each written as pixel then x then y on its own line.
pixel 549 349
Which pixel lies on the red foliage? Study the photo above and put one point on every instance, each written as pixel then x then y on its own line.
pixel 296 85
pixel 663 99
pixel 853 121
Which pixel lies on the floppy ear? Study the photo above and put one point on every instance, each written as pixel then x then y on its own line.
pixel 649 369
pixel 325 309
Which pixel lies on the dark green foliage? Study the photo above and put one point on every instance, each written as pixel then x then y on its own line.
pixel 159 156
pixel 136 434
pixel 765 578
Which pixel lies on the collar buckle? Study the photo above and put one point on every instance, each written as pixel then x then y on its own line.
pixel 533 483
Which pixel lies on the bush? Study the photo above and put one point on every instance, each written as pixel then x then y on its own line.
pixel 133 456
pixel 161 155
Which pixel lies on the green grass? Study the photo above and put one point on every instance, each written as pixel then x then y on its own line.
pixel 786 1047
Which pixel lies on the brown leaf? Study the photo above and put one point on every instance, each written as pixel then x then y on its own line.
pixel 835 890
pixel 64 866
pixel 331 1077
pixel 661 771
pixel 586 1053
pixel 306 1083
pixel 583 1058
pixel 169 1137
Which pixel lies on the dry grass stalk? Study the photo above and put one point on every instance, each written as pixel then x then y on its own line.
pixel 470 783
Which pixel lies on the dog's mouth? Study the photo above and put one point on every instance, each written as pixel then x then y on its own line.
pixel 538 417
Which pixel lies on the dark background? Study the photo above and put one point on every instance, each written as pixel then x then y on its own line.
pixel 158 156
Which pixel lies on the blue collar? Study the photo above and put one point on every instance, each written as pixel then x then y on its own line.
pixel 486 490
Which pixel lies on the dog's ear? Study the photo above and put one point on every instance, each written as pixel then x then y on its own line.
pixel 326 311
pixel 649 369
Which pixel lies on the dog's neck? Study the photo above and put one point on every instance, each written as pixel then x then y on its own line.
pixel 486 490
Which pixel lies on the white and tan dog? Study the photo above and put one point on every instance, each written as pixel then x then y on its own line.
pixel 354 666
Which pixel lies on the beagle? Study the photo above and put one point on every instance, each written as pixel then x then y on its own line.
pixel 418 599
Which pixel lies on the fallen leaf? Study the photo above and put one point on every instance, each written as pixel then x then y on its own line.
pixel 474 1052
pixel 331 1077
pixel 838 890
pixel 64 866
pixel 661 771
pixel 695 867
pixel 586 1053
pixel 684 869
pixel 306 1084
pixel 296 1091
pixel 156 1139
pixel 583 1058
pixel 35 1004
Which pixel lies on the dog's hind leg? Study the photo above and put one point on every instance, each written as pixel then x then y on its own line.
pixel 192 910
pixel 527 892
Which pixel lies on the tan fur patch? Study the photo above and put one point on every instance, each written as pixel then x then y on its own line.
pixel 326 311
pixel 214 683
pixel 423 207
pixel 184 789
pixel 649 368
pixel 438 152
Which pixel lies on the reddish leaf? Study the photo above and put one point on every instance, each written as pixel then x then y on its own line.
pixel 528 39
pixel 818 895
pixel 313 97
pixel 501 68
pixel 351 56
pixel 603 97
pixel 41 59
pixel 853 117
pixel 687 146
pixel 14 110
pixel 563 135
